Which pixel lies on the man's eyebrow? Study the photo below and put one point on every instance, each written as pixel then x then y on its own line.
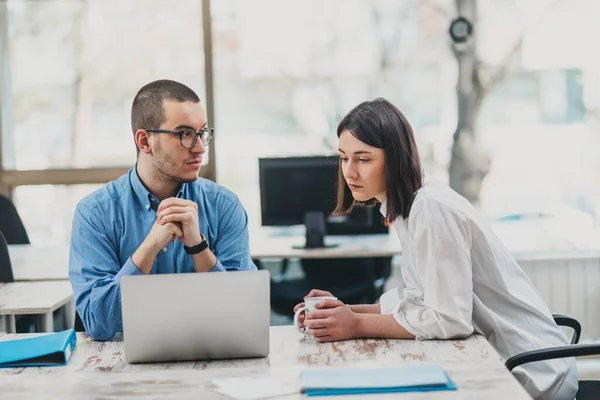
pixel 184 127
pixel 189 127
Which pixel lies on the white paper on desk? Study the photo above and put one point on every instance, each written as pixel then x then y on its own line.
pixel 252 388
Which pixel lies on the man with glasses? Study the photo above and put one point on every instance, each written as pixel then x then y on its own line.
pixel 159 218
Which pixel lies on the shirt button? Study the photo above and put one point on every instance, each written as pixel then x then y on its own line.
pixel 147 206
pixel 165 250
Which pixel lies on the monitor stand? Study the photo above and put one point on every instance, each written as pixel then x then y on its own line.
pixel 314 221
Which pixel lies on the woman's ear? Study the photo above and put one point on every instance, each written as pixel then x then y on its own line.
pixel 142 140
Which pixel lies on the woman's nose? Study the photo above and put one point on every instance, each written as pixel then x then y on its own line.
pixel 350 171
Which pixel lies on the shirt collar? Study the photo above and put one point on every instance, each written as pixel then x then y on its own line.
pixel 383 208
pixel 147 199
pixel 182 191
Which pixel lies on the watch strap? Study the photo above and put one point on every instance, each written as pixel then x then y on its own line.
pixel 197 248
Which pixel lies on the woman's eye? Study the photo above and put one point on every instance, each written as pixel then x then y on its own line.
pixel 363 160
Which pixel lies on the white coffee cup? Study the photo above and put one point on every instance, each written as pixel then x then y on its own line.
pixel 309 306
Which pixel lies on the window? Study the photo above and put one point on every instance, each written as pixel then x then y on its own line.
pixel 283 84
pixel 70 70
pixel 73 76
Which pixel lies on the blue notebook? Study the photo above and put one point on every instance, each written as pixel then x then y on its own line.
pixel 409 378
pixel 40 351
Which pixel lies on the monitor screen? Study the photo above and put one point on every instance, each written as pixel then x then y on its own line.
pixel 292 186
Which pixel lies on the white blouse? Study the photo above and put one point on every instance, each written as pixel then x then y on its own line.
pixel 461 279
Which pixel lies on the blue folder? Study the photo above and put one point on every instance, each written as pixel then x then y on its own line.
pixel 409 378
pixel 40 351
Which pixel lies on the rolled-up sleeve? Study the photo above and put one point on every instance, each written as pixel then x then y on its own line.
pixel 232 248
pixel 95 275
pixel 442 307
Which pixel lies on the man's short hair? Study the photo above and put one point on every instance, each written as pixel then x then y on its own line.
pixel 147 110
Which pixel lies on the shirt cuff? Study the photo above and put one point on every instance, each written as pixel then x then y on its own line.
pixel 389 301
pixel 218 267
pixel 129 268
pixel 401 320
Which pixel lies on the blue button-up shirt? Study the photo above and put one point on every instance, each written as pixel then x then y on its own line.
pixel 111 223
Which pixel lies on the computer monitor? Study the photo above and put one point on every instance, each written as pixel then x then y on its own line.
pixel 303 190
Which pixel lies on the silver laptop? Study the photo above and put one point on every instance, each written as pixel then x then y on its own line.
pixel 184 317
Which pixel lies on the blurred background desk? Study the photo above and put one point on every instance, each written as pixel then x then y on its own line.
pixel 38 262
pixel 36 298
pixel 347 246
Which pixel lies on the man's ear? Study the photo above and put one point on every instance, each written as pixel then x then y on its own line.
pixel 142 140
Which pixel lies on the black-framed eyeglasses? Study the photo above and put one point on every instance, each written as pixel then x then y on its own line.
pixel 189 137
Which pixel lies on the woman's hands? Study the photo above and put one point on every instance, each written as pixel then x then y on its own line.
pixel 332 321
pixel 313 293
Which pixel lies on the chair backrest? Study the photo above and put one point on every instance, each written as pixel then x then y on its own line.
pixel 6 274
pixel 11 225
pixel 566 320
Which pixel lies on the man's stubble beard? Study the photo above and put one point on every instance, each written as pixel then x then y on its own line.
pixel 164 166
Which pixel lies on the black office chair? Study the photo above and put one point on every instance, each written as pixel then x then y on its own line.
pixel 23 322
pixel 10 223
pixel 352 280
pixel 6 274
pixel 12 231
pixel 588 390
pixel 565 320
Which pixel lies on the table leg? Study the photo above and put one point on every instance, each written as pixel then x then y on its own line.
pixel 9 324
pixel 46 322
pixel 68 315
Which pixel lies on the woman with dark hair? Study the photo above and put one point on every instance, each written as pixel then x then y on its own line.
pixel 459 277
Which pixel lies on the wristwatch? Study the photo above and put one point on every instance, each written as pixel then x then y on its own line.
pixel 197 248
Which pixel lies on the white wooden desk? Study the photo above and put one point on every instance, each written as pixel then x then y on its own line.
pixel 355 246
pixel 97 370
pixel 40 298
pixel 39 263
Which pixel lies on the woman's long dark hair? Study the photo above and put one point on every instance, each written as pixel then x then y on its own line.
pixel 380 124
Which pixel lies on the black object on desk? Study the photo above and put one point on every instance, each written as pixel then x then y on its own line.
pixel 303 190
